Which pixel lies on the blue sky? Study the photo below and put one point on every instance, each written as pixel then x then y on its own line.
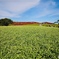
pixel 30 10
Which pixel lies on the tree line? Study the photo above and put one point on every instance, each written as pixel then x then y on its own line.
pixel 7 21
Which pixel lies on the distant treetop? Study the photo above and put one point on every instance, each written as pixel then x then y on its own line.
pixel 5 21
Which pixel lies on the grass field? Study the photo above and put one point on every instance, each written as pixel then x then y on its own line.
pixel 29 42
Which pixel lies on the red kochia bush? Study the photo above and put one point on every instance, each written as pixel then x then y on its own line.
pixel 24 23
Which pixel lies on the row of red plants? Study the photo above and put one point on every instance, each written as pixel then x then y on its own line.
pixel 24 23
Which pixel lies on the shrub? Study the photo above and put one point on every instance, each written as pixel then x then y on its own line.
pixel 5 22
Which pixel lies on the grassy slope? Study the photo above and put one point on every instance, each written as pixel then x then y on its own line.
pixel 29 42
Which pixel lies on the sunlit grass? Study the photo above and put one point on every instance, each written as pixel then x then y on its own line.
pixel 29 42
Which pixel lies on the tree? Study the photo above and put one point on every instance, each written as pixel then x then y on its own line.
pixel 57 23
pixel 5 22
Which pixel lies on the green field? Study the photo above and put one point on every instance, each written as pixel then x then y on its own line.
pixel 29 42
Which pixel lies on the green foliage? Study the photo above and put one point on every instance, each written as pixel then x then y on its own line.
pixel 57 23
pixel 29 42
pixel 5 22
pixel 50 25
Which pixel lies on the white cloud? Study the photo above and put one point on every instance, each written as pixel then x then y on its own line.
pixel 43 13
pixel 47 8
pixel 12 8
pixel 54 12
pixel 4 14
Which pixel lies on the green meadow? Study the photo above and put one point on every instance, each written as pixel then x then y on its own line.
pixel 29 42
